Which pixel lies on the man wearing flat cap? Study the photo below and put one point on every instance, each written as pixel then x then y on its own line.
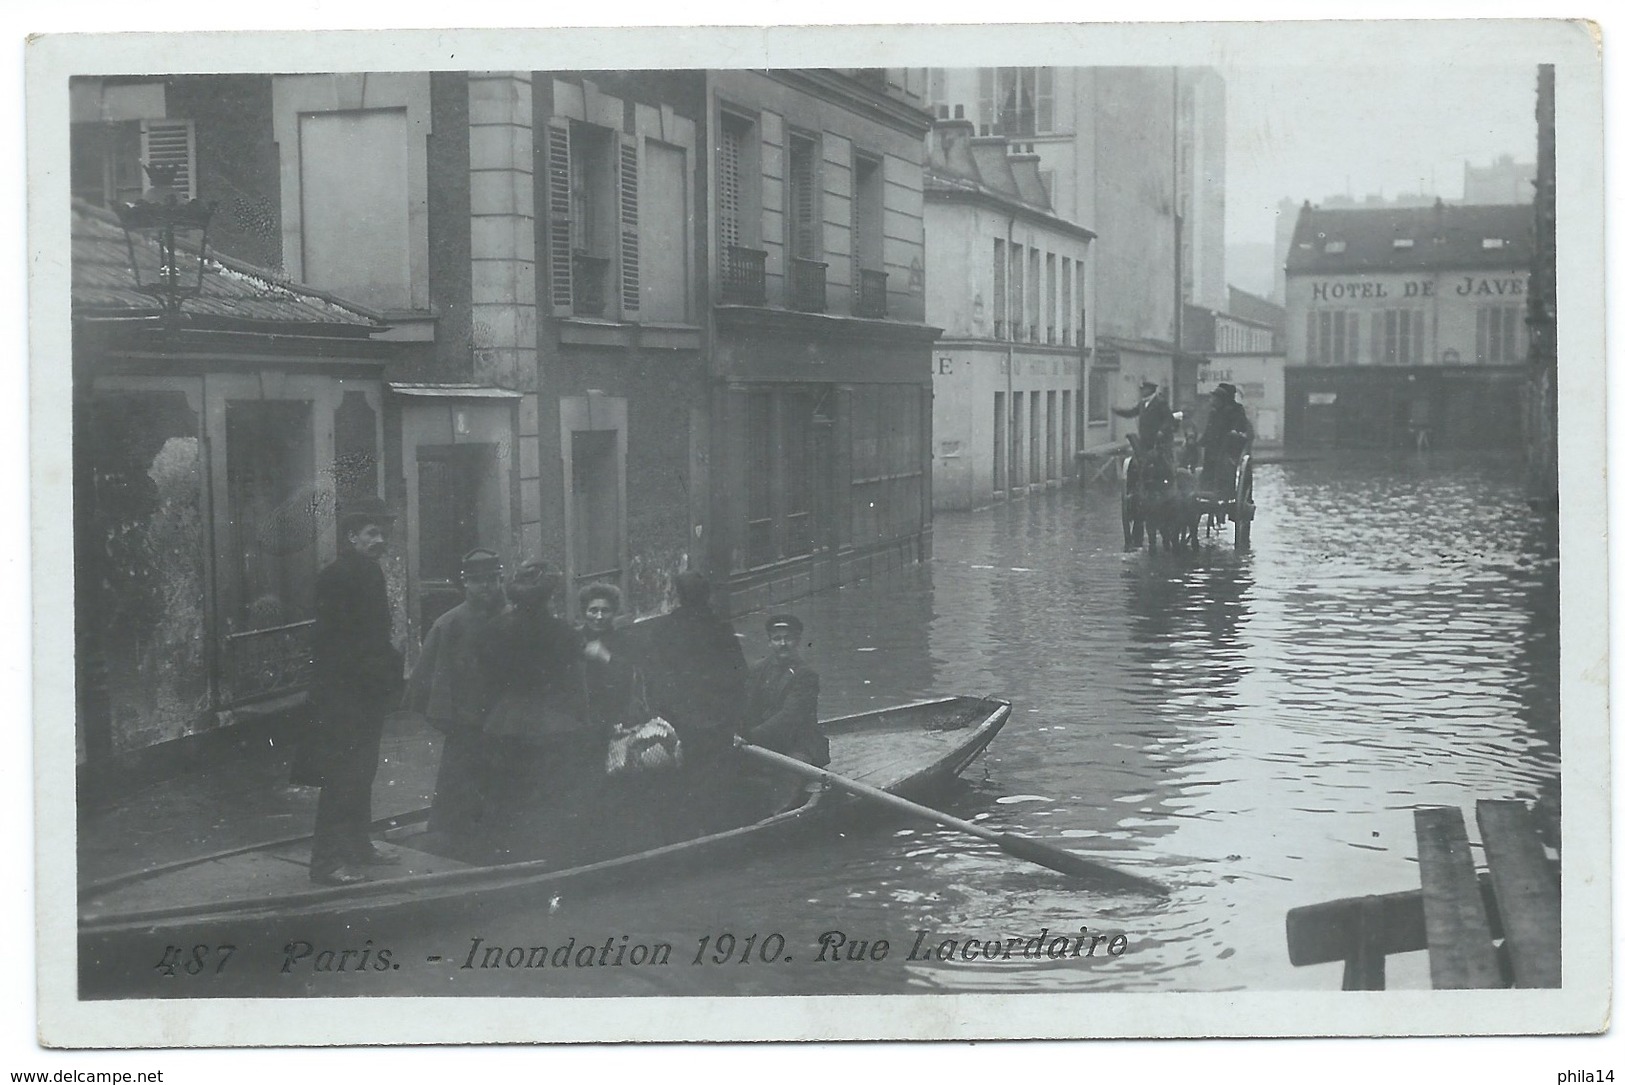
pixel 1156 417
pixel 356 679
pixel 1226 437
pixel 448 687
pixel 781 697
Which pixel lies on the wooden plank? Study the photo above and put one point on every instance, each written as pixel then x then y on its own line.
pixel 1461 953
pixel 1526 892
pixel 1332 930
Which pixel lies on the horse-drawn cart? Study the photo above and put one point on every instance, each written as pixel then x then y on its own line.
pixel 1160 499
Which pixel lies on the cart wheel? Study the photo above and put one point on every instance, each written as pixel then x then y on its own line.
pixel 1244 503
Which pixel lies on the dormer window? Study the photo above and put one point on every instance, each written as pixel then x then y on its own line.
pixel 1404 243
pixel 1336 246
pixel 1495 243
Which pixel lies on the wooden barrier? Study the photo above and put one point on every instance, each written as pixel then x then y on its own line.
pixel 1497 928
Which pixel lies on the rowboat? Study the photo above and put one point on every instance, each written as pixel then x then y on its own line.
pixel 907 750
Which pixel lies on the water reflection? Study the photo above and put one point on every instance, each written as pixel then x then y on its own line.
pixel 1252 729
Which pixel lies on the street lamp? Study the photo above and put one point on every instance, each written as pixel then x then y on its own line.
pixel 180 230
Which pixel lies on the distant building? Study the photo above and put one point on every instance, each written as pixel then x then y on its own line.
pixel 1503 181
pixel 1405 326
pixel 1137 155
pixel 1249 306
pixel 1005 282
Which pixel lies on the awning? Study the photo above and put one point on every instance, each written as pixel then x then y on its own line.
pixel 452 391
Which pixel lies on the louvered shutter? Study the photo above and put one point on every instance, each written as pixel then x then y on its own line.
pixel 630 293
pixel 559 245
pixel 804 239
pixel 170 143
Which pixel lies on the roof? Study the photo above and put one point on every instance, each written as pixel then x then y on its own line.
pixel 234 293
pixel 980 167
pixel 1453 236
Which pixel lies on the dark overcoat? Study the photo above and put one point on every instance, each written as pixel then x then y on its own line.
pixel 356 672
pixel 696 675
pixel 781 706
pixel 532 663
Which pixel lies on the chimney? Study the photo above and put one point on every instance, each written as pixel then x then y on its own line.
pixel 1028 184
pixel 950 146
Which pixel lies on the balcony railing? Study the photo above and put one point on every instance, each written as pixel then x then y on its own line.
pixel 744 276
pixel 806 285
pixel 266 662
pixel 871 296
pixel 590 276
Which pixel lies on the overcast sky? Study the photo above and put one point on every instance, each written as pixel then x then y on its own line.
pixel 1309 133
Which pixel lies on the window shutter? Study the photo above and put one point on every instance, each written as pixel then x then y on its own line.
pixel 1310 354
pixel 558 216
pixel 170 143
pixel 630 294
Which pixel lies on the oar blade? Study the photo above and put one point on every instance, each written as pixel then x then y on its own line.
pixel 1077 866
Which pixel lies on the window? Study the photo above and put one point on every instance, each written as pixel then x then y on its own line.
pixel 448 513
pixel 743 278
pixel 801 199
pixel 1017 101
pixel 1401 336
pixel 270 488
pixel 1078 283
pixel 106 158
pixel 1404 243
pixel 868 251
pixel 1499 331
pixel 1049 298
pixel 142 597
pixel 888 456
pixel 595 505
pixel 1066 433
pixel 663 219
pixel 1000 436
pixel 1099 393
pixel 355 205
pixel 1035 294
pixel 1018 298
pixel 1018 444
pixel 936 81
pixel 1494 243
pixel 1334 337
pixel 999 288
pixel 1335 247
pixel 1066 300
pixel 594 249
pixel 1050 434
pixel 1035 465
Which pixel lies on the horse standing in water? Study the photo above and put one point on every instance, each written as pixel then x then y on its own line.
pixel 1152 503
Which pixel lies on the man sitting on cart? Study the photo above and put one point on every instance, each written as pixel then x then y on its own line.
pixel 1227 436
pixel 1157 426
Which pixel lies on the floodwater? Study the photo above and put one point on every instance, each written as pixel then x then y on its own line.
pixel 1251 729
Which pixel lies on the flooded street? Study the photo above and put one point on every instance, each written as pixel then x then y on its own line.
pixel 1252 729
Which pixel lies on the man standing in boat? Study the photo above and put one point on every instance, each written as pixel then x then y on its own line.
pixel 696 682
pixel 448 687
pixel 357 677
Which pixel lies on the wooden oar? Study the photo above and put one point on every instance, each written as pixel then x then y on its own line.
pixel 1020 846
